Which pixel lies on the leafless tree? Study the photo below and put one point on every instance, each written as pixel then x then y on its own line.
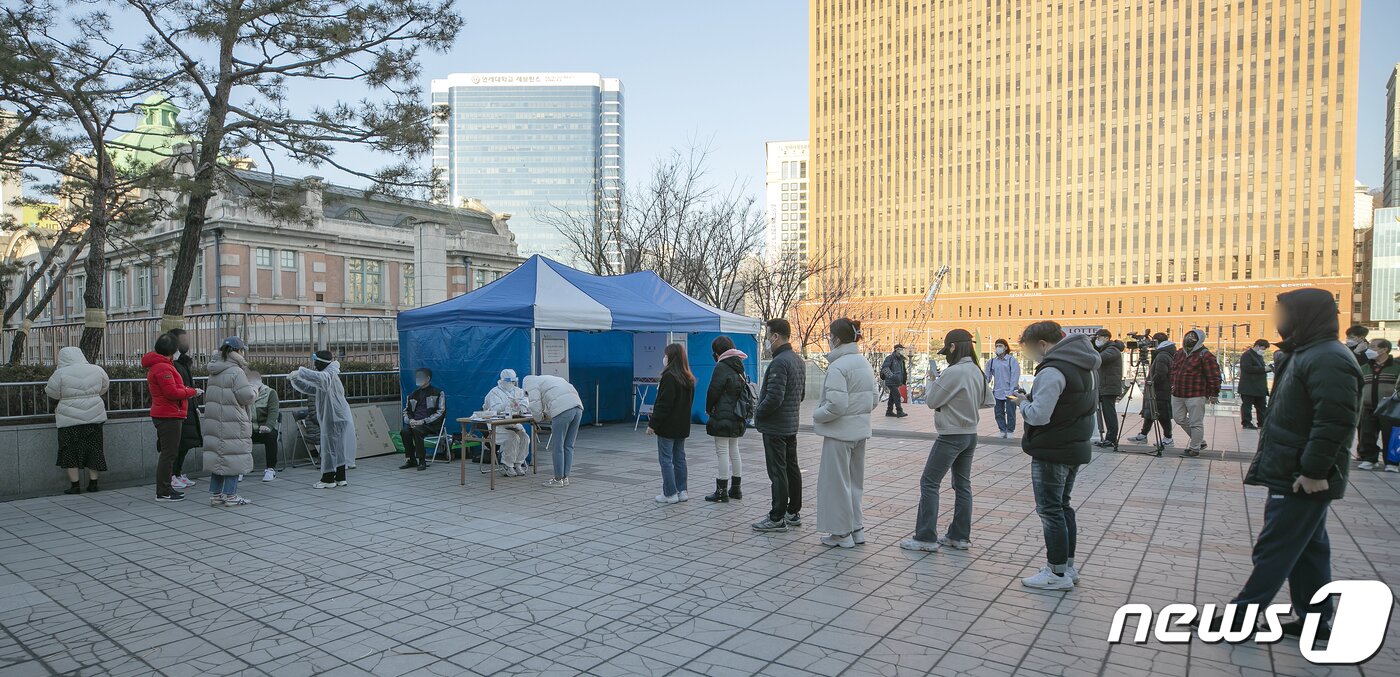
pixel 832 294
pixel 777 283
pixel 692 233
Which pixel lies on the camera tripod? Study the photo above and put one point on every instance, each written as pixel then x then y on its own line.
pixel 1140 373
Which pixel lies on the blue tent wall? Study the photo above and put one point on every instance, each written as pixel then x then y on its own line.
pixel 702 363
pixel 466 361
pixel 600 364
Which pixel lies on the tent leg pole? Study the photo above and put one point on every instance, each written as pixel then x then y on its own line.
pixel 534 338
pixel 597 391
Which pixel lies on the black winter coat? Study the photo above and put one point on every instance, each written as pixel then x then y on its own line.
pixel 670 416
pixel 1111 369
pixel 894 371
pixel 779 401
pixel 191 433
pixel 1254 375
pixel 1317 394
pixel 726 384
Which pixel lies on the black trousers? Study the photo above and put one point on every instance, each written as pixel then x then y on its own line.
pixel 895 405
pixel 1108 417
pixel 270 441
pixel 1156 411
pixel 1372 437
pixel 1293 546
pixel 780 453
pixel 1258 404
pixel 414 451
pixel 168 441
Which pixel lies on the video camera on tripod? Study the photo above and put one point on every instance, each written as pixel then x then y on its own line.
pixel 1142 346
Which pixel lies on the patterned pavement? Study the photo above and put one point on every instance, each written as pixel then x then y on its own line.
pixel 407 573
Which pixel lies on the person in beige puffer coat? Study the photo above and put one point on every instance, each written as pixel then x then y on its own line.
pixel 228 426
pixel 79 386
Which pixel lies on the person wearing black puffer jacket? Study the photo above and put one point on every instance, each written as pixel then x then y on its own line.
pixel 727 384
pixel 1302 459
pixel 1110 386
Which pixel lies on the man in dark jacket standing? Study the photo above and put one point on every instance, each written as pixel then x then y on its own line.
pixel 1059 416
pixel 895 373
pixel 1157 394
pixel 1110 385
pixel 1304 448
pixel 1379 375
pixel 775 416
pixel 1254 384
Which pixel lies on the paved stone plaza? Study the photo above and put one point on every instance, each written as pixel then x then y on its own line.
pixel 405 572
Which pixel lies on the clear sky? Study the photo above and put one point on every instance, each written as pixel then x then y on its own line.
pixel 733 73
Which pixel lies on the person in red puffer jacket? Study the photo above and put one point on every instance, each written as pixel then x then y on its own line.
pixel 170 402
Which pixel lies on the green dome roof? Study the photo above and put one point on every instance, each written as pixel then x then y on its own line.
pixel 153 138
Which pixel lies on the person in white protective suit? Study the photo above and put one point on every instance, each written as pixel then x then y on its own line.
pixel 333 413
pixel 507 398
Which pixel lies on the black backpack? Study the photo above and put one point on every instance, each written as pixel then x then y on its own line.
pixel 745 402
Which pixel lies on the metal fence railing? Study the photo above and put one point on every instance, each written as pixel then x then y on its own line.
pixel 26 401
pixel 281 338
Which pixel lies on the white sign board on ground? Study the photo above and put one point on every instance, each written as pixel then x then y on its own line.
pixel 554 353
pixel 372 433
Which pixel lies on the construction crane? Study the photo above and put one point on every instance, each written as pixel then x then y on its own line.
pixel 923 312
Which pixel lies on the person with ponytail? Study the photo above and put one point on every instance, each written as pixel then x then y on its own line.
pixel 670 422
pixel 842 419
pixel 727 384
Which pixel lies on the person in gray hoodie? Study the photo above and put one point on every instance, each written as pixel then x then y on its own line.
pixel 1059 413
pixel 955 398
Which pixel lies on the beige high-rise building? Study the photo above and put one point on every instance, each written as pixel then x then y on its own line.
pixel 1117 163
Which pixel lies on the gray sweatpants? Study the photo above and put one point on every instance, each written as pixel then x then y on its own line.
pixel 840 487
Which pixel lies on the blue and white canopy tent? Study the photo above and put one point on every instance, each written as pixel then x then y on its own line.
pixel 469 339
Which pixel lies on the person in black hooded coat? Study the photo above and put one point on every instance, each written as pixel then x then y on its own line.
pixel 727 383
pixel 1303 456
pixel 191 433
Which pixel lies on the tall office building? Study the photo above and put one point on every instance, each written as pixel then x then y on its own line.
pixel 785 197
pixel 1117 163
pixel 1390 187
pixel 532 145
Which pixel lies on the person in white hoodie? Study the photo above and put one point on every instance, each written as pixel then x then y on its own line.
pixel 955 398
pixel 79 386
pixel 507 398
pixel 842 418
pixel 554 400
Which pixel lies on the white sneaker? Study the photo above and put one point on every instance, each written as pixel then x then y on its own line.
pixel 1168 442
pixel 858 536
pixel 1047 579
pixel 557 482
pixel 341 483
pixel 683 496
pixel 188 482
pixel 835 541
pixel 269 475
pixel 1138 438
pixel 511 472
pixel 236 500
pixel 217 500
pixel 918 546
pixel 351 466
pixel 565 481
pixel 1392 468
pixel 956 545
pixel 324 485
pixel 1072 574
pixel 1366 465
pixel 177 483
pixel 663 498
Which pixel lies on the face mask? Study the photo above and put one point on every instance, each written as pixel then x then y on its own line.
pixel 1372 354
pixel 1259 350
pixel 1190 342
pixel 1000 351
pixel 256 382
pixel 1352 343
pixel 421 382
pixel 1099 342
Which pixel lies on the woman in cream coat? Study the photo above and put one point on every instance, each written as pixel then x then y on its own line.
pixel 228 423
pixel 842 418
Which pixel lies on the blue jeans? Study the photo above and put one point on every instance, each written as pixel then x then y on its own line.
pixel 1006 416
pixel 1292 546
pixel 949 452
pixel 1053 483
pixel 223 484
pixel 561 443
pixel 671 453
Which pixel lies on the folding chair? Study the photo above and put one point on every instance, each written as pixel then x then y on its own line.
pixel 313 451
pixel 438 446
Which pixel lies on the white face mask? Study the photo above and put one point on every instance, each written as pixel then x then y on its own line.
pixel 1000 351
pixel 1353 342
pixel 1099 342
pixel 1259 350
pixel 421 381
pixel 1372 354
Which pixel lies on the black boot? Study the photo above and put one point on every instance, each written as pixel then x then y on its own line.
pixel 720 495
pixel 92 485
pixel 74 489
pixel 734 492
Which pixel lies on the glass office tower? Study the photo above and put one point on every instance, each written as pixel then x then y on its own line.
pixel 531 145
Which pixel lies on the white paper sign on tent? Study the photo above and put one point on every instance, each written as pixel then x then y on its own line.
pixel 554 353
